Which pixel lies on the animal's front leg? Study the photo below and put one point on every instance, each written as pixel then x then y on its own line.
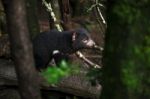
pixel 59 57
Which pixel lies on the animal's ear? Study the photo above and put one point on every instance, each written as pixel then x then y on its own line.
pixel 74 35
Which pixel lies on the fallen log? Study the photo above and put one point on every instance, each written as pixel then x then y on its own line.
pixel 76 84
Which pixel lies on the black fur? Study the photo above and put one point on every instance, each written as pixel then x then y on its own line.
pixel 45 43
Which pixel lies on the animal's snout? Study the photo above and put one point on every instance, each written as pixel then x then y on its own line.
pixel 90 43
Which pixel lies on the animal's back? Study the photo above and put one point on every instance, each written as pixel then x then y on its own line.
pixel 43 46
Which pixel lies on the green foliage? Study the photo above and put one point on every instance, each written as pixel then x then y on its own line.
pixel 54 74
pixel 127 57
pixel 136 67
pixel 127 12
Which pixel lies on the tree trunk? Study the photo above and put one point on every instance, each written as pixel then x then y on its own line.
pixel 32 17
pixel 65 14
pixel 115 43
pixel 21 48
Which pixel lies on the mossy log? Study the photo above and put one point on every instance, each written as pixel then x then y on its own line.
pixel 76 84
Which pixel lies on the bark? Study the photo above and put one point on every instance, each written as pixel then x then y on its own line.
pixel 114 54
pixel 65 14
pixel 21 48
pixel 32 17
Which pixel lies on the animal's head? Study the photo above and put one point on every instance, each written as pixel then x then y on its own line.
pixel 81 39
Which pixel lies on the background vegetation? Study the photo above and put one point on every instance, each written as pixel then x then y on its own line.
pixel 126 56
pixel 127 48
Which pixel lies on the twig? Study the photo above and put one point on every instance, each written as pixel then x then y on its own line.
pixel 97 5
pixel 81 56
pixel 94 5
pixel 49 9
pixel 99 12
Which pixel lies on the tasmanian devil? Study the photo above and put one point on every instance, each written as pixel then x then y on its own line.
pixel 47 44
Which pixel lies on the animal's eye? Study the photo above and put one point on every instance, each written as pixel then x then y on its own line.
pixel 85 40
